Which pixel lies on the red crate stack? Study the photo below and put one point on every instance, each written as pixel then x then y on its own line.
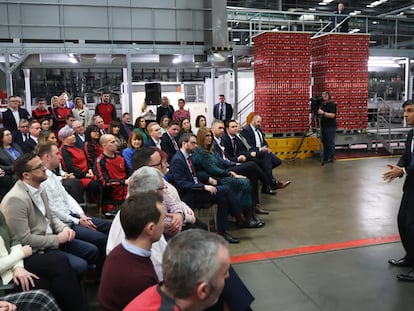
pixel 282 75
pixel 340 66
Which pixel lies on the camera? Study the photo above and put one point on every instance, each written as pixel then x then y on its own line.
pixel 315 104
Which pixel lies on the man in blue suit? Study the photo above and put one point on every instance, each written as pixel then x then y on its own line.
pixel 195 190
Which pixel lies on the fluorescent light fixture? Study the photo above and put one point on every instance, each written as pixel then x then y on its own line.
pixel 322 3
pixel 236 39
pixel 355 30
pixel 376 3
pixel 375 61
pixel 312 9
pixel 72 59
pixel 177 59
pixel 375 22
pixel 355 13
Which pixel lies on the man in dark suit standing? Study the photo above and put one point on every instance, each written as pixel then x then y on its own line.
pixel 13 115
pixel 222 110
pixel 168 140
pixel 405 217
pixel 341 17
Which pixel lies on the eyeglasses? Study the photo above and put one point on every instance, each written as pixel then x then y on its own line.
pixel 40 166
pixel 162 188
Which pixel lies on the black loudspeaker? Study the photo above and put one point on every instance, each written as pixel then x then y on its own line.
pixel 153 93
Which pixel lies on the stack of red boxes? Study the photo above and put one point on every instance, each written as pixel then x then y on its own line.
pixel 340 66
pixel 282 75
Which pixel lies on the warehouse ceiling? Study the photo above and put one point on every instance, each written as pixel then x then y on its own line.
pixel 372 8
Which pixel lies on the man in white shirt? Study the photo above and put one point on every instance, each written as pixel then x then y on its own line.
pixel 89 229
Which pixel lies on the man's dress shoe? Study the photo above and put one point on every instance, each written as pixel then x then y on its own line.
pixel 252 222
pixel 229 238
pixel 261 211
pixel 281 184
pixel 408 277
pixel 403 262
pixel 268 190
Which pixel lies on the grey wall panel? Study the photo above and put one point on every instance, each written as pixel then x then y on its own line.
pixel 86 17
pixel 81 2
pixel 185 20
pixel 156 4
pixel 189 4
pixel 122 34
pixel 142 35
pixel 142 18
pixel 122 17
pixel 86 34
pixel 45 14
pixel 15 32
pixel 41 33
pixel 3 14
pixel 165 19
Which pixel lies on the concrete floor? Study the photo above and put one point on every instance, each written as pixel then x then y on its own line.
pixel 323 215
pixel 345 203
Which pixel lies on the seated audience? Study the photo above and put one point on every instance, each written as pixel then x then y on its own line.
pixel 164 123
pixel 79 129
pixel 90 229
pixel 154 135
pixel 99 122
pixel 44 124
pixel 140 126
pixel 22 134
pixel 169 142
pixel 9 151
pixel 112 172
pixel 50 271
pixel 192 279
pixel 135 142
pixel 114 128
pixel 31 141
pixel 128 270
pixel 91 146
pixel 74 162
pixel 126 126
pixel 28 215
pixel 199 123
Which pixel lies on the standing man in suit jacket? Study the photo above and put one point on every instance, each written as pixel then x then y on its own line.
pixel 13 115
pixel 405 217
pixel 169 143
pixel 341 16
pixel 27 212
pixel 222 110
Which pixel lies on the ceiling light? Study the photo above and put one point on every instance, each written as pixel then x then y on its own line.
pixel 236 39
pixel 177 59
pixel 72 59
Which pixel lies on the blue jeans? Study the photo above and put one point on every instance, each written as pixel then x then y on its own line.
pixel 80 254
pixel 328 140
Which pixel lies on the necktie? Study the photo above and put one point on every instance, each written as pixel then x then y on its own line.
pixel 222 116
pixel 193 172
pixel 244 141
pixel 260 137
pixel 174 143
pixel 233 142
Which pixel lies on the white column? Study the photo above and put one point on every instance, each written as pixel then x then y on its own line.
pixel 28 96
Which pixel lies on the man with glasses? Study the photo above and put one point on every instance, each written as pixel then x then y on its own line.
pixel 28 215
pixel 20 136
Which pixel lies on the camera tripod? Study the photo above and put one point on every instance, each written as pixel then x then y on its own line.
pixel 314 123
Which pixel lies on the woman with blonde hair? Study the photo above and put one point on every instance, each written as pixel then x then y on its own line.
pixel 81 112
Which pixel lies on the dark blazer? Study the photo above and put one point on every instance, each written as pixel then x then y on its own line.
pixel 226 142
pixel 150 142
pixel 251 138
pixel 124 130
pixel 167 146
pixel 182 178
pixel 18 138
pixel 229 112
pixel 29 145
pixel 405 161
pixel 6 161
pixel 10 123
pixel 79 142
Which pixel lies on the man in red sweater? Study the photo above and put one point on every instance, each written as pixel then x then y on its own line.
pixel 111 170
pixel 128 269
pixel 105 109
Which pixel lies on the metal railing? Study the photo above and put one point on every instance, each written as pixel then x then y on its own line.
pixel 246 105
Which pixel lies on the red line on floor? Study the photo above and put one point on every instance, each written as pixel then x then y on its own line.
pixel 313 249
